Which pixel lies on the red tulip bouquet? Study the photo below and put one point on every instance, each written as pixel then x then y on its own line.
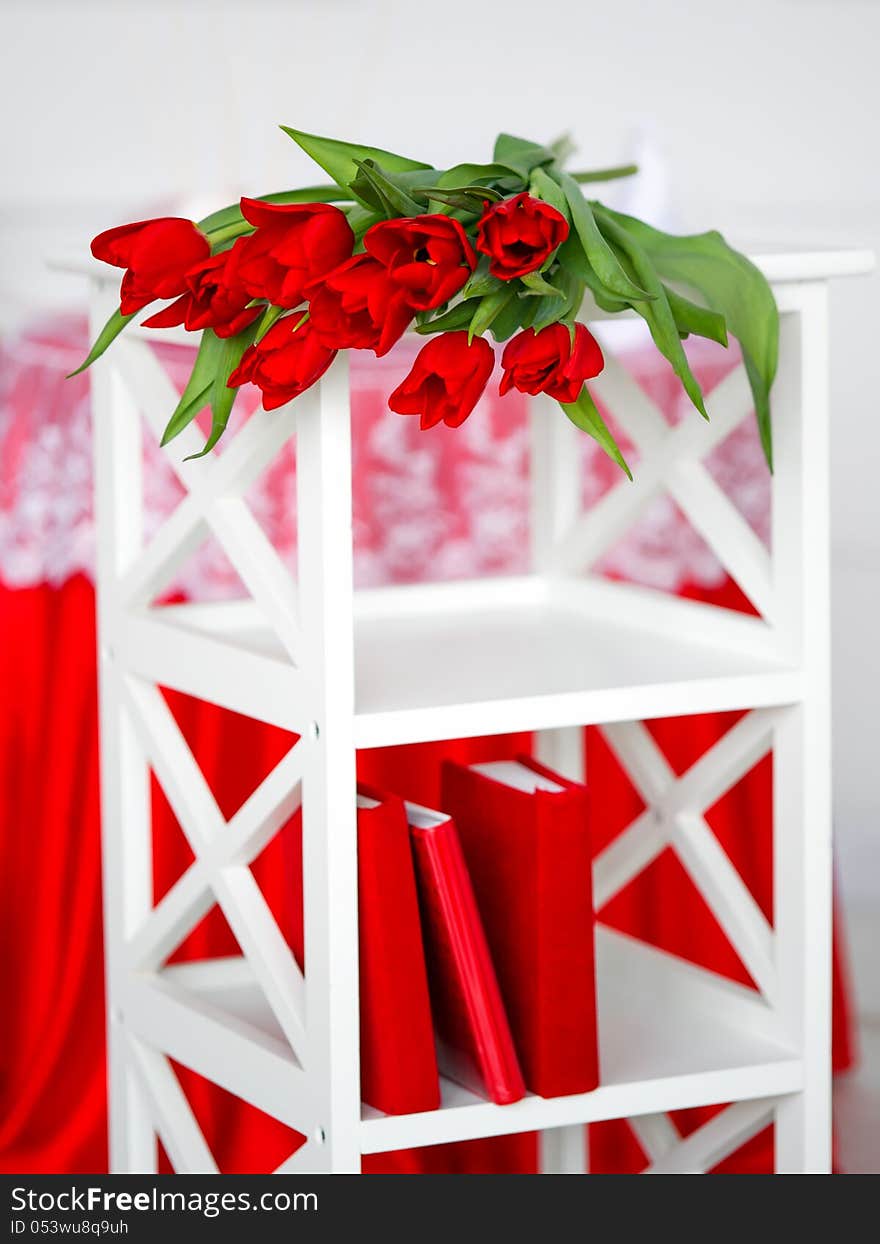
pixel 277 285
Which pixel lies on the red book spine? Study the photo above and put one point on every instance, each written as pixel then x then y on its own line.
pixel 473 1035
pixel 398 1060
pixel 566 1036
pixel 530 862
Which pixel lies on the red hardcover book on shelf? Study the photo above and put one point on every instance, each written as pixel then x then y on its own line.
pixel 474 1044
pixel 526 839
pixel 398 1060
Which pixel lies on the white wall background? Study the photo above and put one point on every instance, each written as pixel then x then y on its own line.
pixel 765 111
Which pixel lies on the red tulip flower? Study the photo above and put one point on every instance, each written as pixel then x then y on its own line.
pixel 284 363
pixel 357 306
pixel 293 244
pixel 157 255
pixel 428 258
pixel 446 380
pixel 519 235
pixel 215 298
pixel 546 362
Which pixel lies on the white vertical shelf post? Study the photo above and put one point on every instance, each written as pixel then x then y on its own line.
pixel 557 481
pixel 329 814
pixel 125 785
pixel 802 743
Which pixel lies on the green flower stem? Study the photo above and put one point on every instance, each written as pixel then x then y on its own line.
pixel 227 234
pixel 607 174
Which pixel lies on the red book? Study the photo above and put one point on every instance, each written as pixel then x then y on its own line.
pixel 526 839
pixel 474 1045
pixel 398 1060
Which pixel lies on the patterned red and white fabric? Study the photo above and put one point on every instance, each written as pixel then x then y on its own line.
pixel 438 505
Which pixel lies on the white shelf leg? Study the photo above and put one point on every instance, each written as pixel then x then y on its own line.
pixel 802 750
pixel 329 818
pixel 563 1150
pixel 125 791
pixel 556 502
pixel 557 478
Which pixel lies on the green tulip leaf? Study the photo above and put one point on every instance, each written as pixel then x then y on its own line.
pixel 221 397
pixel 197 392
pixel 602 258
pixel 451 321
pixel 544 187
pixel 657 314
pixel 584 415
pixel 606 174
pixel 467 198
pixel 535 284
pixel 510 318
pixel 566 304
pixel 731 285
pixel 572 259
pixel 108 334
pixel 690 317
pixel 270 315
pixel 340 159
pixel 490 307
pixel 481 282
pixel 520 154
pixel 464 200
pixel 562 147
pixel 468 174
pixel 391 194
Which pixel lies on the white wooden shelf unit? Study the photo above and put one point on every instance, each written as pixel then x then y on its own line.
pixel 550 652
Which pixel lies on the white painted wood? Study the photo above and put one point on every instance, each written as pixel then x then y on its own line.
pixel 608 518
pixel 674 818
pixel 656 1133
pixel 256 1066
pixel 715 771
pixel 715 1140
pixel 557 477
pixel 628 855
pixel 716 518
pixel 243 838
pixel 329 820
pixel 214 500
pixel 260 569
pixel 671 1036
pixel 248 453
pixel 578 671
pixel 234 886
pixel 172 1114
pixel 563 1150
pixel 125 792
pixel 802 757
pixel 267 688
pixel 688 621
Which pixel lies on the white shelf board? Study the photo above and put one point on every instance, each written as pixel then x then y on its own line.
pixel 488 657
pixel 672 1036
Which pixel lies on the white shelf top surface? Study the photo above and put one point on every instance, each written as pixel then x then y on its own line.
pixel 492 657
pixel 671 1036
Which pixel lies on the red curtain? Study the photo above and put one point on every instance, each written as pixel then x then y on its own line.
pixel 52 1089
